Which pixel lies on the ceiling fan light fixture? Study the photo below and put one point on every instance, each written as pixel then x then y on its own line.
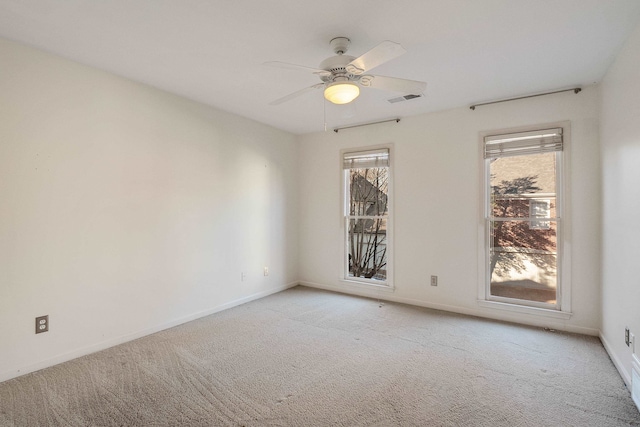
pixel 341 92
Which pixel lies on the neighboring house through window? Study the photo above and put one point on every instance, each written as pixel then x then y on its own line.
pixel 539 209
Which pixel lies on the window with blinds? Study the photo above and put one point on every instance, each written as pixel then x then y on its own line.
pixel 523 217
pixel 366 215
pixel 366 159
pixel 517 144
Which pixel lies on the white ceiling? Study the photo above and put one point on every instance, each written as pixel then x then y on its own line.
pixel 468 51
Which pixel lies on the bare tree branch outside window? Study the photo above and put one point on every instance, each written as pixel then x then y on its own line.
pixel 367 222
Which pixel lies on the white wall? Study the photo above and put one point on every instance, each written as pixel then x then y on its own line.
pixel 620 139
pixel 125 210
pixel 437 163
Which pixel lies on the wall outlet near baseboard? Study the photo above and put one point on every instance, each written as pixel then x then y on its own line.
pixel 626 336
pixel 266 271
pixel 42 324
pixel 434 280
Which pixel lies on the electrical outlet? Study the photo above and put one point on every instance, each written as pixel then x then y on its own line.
pixel 42 324
pixel 266 271
pixel 626 336
pixel 434 280
pixel 243 276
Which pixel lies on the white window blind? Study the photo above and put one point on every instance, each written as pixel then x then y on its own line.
pixel 516 144
pixel 366 159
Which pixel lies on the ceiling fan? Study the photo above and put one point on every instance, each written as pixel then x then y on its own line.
pixel 343 75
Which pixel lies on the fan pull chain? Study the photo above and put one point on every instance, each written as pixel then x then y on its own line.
pixel 324 113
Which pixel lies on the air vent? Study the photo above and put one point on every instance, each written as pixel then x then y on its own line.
pixel 404 98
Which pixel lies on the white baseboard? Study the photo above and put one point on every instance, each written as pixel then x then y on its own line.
pixel 4 376
pixel 626 377
pixel 495 315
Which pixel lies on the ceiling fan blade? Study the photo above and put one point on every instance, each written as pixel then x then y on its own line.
pixel 296 94
pixel 394 84
pixel 288 66
pixel 385 51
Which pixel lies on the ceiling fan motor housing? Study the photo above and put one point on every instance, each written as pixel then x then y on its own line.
pixel 336 64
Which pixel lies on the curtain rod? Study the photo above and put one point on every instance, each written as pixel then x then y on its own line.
pixel 366 124
pixel 575 90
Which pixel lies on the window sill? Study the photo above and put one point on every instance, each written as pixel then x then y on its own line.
pixel 535 311
pixel 367 285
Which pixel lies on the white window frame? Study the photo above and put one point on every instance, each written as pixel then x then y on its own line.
pixel 562 309
pixel 345 279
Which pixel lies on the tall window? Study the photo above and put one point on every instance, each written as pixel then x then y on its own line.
pixel 523 217
pixel 366 214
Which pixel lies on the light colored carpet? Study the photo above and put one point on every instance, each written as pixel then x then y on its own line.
pixel 306 357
